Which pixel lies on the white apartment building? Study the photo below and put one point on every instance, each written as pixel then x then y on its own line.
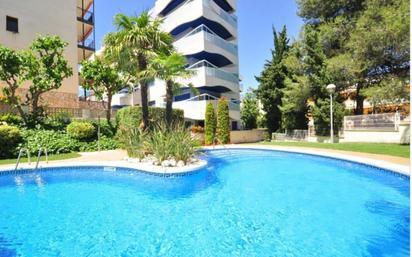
pixel 205 31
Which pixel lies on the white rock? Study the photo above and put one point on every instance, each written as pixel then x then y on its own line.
pixel 180 164
pixel 166 163
pixel 172 163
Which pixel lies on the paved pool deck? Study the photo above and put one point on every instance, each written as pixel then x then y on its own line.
pixel 117 158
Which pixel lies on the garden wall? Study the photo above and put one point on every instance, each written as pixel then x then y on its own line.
pixel 247 136
pixel 401 136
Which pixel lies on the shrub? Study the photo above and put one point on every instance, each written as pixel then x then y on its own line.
pixel 55 141
pixel 103 144
pixel 174 143
pixel 183 145
pixel 10 138
pixel 11 119
pixel 223 122
pixel 197 129
pixel 81 130
pixel 58 121
pixel 132 139
pixel 210 124
pixel 132 116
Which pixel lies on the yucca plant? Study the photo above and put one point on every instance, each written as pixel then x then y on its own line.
pixel 133 140
pixel 183 144
pixel 159 143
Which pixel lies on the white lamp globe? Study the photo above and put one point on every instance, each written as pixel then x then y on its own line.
pixel 331 88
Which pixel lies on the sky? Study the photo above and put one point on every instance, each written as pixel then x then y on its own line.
pixel 255 20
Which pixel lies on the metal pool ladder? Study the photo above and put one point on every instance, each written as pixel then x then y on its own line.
pixel 19 157
pixel 44 150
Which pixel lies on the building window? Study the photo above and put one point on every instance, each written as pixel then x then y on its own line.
pixel 12 24
pixel 152 103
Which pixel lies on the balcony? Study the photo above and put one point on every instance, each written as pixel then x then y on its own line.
pixel 191 14
pixel 85 48
pixel 195 108
pixel 202 43
pixel 85 16
pixel 212 78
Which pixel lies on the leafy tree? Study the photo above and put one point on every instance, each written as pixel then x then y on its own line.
pixel 103 79
pixel 271 81
pixel 13 71
pixel 210 124
pixel 44 66
pixel 223 121
pixel 138 40
pixel 391 91
pixel 47 70
pixel 170 68
pixel 365 41
pixel 249 111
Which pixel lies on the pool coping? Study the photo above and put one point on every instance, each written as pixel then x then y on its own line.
pixel 178 171
pixel 139 167
pixel 397 168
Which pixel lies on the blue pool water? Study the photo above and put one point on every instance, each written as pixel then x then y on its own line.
pixel 245 203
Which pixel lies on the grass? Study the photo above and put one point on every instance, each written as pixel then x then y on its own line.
pixel 54 157
pixel 373 148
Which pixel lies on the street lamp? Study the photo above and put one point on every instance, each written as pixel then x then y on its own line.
pixel 331 89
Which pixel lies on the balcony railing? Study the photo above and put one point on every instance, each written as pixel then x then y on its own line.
pixel 212 70
pixel 230 18
pixel 214 38
pixel 85 16
pixel 88 43
pixel 233 105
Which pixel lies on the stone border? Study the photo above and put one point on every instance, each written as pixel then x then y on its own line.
pixel 172 171
pixel 396 168
pixel 140 167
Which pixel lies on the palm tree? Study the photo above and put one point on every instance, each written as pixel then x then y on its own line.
pixel 170 68
pixel 138 40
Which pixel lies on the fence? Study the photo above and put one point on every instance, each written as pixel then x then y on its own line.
pixel 79 113
pixel 375 122
pixel 291 135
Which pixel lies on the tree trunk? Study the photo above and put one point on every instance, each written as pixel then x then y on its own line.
pixel 359 100
pixel 169 103
pixel 143 93
pixel 109 108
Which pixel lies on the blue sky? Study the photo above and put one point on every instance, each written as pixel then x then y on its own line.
pixel 256 18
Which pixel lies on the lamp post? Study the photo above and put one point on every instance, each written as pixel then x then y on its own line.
pixel 331 89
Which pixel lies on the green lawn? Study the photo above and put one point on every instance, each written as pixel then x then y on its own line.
pixel 42 158
pixel 387 149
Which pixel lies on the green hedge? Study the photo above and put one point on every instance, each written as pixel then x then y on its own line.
pixel 132 116
pixel 10 138
pixel 81 130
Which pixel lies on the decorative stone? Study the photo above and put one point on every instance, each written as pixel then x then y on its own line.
pixel 180 164
pixel 166 163
pixel 172 163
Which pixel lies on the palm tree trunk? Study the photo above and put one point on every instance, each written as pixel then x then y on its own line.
pixel 169 103
pixel 143 93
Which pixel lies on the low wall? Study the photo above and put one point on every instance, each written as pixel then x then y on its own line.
pixel 247 136
pixel 402 136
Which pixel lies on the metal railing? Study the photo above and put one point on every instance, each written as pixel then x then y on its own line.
pixel 87 43
pixel 44 150
pixel 85 15
pixel 382 121
pixel 19 157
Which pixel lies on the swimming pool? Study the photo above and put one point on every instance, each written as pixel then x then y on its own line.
pixel 245 203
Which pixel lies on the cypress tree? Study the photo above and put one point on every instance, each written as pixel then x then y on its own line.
pixel 210 124
pixel 223 121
